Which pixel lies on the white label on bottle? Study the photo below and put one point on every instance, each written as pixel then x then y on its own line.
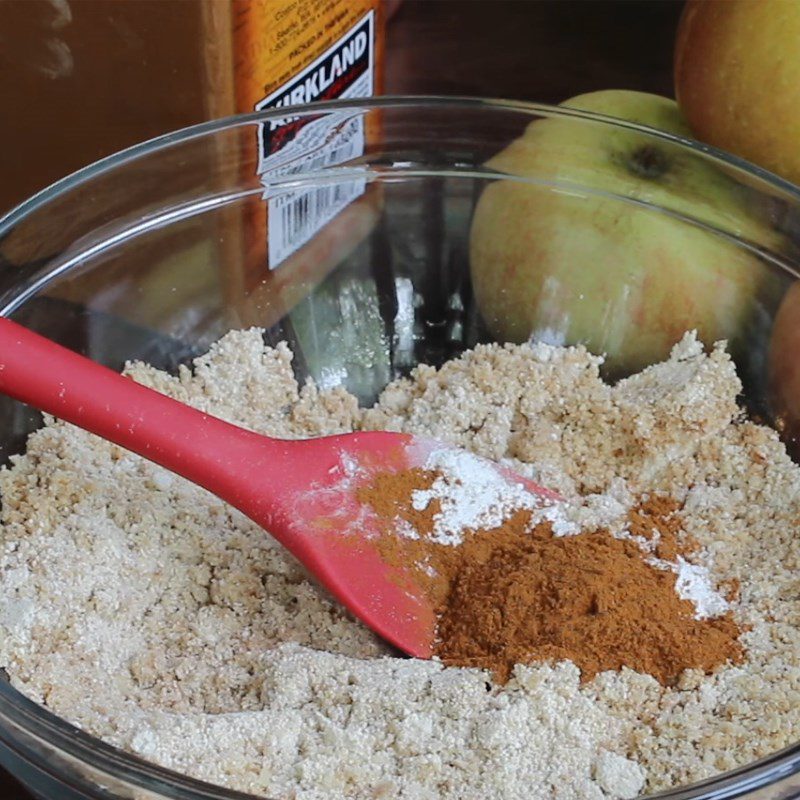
pixel 295 145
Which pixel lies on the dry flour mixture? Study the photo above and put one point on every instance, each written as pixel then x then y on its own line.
pixel 145 611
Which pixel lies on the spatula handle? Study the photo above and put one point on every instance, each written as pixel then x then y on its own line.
pixel 202 448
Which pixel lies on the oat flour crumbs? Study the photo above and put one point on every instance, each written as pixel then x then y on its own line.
pixel 150 614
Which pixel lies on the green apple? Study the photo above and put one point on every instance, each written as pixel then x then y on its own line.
pixel 576 247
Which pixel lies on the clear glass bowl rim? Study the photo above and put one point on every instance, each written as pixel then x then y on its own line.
pixel 46 728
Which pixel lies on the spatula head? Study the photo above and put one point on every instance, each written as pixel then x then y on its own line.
pixel 336 536
pixel 303 492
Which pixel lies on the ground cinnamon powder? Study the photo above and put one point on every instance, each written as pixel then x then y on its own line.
pixel 657 517
pixel 518 594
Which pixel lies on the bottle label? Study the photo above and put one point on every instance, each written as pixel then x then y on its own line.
pixel 293 145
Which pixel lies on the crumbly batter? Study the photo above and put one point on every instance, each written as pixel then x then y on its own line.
pixel 149 613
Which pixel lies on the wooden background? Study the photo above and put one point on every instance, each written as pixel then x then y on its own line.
pixel 543 50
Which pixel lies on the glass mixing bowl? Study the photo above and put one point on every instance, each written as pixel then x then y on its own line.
pixel 345 230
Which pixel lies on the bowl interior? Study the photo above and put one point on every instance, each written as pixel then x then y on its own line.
pixel 367 263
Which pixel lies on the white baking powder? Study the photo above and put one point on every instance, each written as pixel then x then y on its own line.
pixel 472 494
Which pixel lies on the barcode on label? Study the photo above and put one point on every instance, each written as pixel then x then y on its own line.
pixel 295 217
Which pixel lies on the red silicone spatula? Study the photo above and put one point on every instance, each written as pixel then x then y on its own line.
pixel 302 492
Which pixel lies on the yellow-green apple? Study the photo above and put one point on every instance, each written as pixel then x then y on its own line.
pixel 737 78
pixel 784 363
pixel 551 260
